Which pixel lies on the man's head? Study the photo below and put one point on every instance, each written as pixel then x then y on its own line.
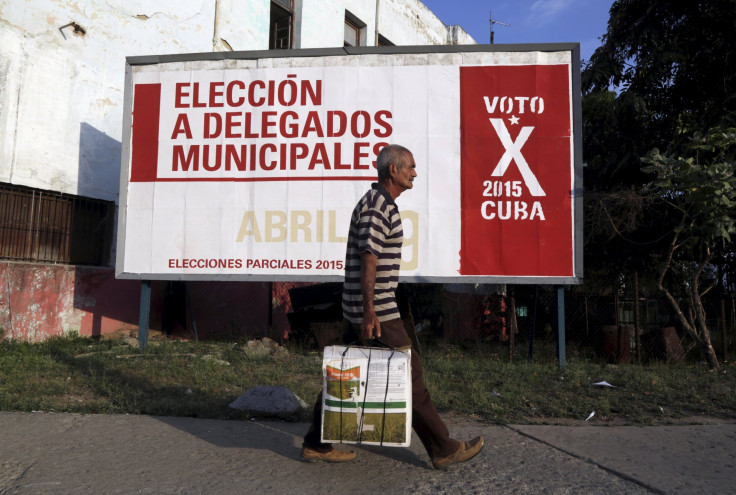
pixel 396 169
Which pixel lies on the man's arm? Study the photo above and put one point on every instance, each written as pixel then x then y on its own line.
pixel 371 327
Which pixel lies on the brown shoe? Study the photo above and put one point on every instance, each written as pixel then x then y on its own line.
pixel 467 450
pixel 332 455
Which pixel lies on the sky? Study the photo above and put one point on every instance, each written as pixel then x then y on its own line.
pixel 531 21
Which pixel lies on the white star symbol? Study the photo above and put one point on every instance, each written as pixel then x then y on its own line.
pixel 514 120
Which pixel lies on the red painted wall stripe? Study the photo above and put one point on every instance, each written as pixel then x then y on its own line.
pixel 144 153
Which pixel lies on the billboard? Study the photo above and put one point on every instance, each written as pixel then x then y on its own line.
pixel 247 166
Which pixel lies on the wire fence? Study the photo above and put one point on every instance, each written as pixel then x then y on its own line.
pixel 611 320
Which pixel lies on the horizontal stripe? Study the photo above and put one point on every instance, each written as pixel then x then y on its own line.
pixel 393 254
pixel 355 300
pixel 357 251
pixel 356 290
pixel 386 312
pixel 382 275
pixel 394 267
pixel 373 218
pixel 357 317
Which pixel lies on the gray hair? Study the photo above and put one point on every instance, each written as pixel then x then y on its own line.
pixel 393 153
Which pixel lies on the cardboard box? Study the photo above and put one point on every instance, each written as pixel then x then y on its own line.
pixel 366 396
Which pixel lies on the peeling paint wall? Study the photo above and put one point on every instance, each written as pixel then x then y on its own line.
pixel 242 25
pixel 42 301
pixel 55 300
pixel 62 90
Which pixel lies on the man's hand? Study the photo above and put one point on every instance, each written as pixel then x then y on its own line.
pixel 370 327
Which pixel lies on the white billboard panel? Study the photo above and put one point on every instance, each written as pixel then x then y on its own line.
pixel 242 170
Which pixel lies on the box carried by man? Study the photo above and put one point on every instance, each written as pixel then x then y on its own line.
pixel 366 396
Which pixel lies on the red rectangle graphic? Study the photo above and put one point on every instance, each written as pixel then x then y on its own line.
pixel 144 146
pixel 516 171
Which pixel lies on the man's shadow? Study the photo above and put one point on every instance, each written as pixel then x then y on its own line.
pixel 280 437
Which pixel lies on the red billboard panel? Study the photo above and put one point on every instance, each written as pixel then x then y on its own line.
pixel 516 172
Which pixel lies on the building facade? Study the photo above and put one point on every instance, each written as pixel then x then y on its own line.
pixel 61 103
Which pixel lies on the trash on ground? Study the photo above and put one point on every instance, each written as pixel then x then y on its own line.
pixel 604 384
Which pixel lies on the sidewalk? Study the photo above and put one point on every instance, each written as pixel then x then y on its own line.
pixel 45 453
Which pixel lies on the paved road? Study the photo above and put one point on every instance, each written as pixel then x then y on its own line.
pixel 45 453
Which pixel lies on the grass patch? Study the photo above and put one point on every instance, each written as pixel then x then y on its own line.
pixel 481 382
pixel 200 379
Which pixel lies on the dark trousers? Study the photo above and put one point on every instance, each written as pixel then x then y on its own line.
pixel 430 428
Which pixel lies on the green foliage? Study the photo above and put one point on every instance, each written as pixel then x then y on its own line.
pixel 671 60
pixel 701 185
pixel 665 69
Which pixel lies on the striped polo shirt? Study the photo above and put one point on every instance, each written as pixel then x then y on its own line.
pixel 375 227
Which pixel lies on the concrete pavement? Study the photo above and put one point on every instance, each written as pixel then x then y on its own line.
pixel 44 453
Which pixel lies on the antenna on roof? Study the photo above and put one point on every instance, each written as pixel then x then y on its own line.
pixel 494 21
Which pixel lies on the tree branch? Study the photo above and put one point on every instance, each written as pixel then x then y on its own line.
pixel 687 325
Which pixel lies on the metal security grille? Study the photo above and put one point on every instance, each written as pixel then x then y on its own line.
pixel 52 227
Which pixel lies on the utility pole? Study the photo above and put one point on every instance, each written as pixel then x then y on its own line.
pixel 494 21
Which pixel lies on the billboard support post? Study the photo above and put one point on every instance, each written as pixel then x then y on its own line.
pixel 561 327
pixel 144 314
pixel 533 323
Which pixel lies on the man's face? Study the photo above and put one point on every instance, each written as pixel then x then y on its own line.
pixel 406 172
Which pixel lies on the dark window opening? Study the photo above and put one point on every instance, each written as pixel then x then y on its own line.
pixel 353 29
pixel 52 227
pixel 282 22
pixel 383 41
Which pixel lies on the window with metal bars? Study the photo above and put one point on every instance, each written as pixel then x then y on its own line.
pixel 52 227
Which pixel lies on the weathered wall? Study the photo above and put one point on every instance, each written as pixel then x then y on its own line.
pixel 403 22
pixel 61 89
pixel 42 301
pixel 456 35
pixel 410 22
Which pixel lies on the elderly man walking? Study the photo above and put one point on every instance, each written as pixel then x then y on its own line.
pixel 369 306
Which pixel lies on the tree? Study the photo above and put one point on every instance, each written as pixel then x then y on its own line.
pixel 701 186
pixel 665 71
pixel 672 63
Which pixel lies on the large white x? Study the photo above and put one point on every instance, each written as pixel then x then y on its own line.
pixel 513 151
